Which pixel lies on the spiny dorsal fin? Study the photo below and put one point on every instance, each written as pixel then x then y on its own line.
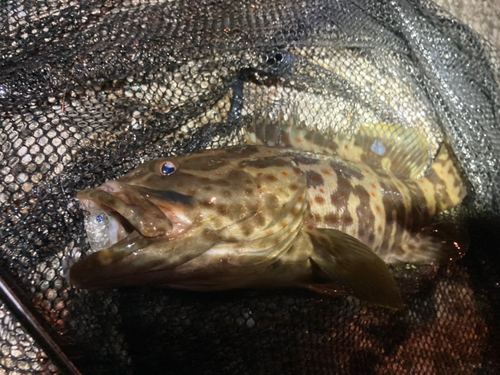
pixel 288 133
pixel 401 151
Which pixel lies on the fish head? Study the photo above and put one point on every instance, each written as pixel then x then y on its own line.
pixel 171 210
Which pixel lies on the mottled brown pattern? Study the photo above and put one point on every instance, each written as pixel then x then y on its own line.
pixel 393 202
pixel 442 197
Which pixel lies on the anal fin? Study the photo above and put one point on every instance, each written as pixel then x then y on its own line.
pixel 349 263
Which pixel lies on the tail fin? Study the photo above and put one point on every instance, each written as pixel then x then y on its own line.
pixel 445 172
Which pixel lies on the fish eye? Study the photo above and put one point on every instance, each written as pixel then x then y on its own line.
pixel 167 168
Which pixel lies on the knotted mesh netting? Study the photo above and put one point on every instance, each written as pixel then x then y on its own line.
pixel 89 90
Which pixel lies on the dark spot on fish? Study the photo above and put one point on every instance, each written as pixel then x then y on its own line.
pixel 263 163
pixel 222 209
pixel 331 219
pixel 248 191
pixel 361 232
pixel 246 228
pixel 297 170
pixel 207 233
pixel 314 179
pixel 347 218
pixel 272 202
pixel 270 177
pixel 419 210
pixel 222 182
pixel 304 160
pixel 371 239
pixel 346 172
pixel 333 146
pixel 235 175
pixel 260 220
pixel 293 187
pixel 294 211
pixel 204 179
pixel 362 194
pixel 208 188
pixel 395 214
pixel 398 251
pixel 338 198
pixel 319 199
pixel 317 218
pixel 442 197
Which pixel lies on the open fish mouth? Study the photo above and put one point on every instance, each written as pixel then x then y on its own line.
pixel 114 211
pixel 104 226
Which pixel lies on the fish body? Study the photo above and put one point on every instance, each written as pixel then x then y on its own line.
pixel 290 209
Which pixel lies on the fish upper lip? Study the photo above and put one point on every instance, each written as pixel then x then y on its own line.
pixel 145 217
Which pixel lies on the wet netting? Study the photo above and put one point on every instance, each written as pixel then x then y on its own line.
pixel 91 89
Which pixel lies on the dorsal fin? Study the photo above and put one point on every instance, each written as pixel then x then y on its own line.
pixel 401 151
pixel 392 148
pixel 288 133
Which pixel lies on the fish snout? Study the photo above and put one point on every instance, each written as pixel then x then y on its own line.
pixel 111 187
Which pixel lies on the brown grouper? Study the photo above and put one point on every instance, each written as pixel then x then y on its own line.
pixel 292 207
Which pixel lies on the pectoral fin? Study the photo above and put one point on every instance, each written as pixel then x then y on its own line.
pixel 349 263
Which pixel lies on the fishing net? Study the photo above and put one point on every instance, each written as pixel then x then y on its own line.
pixel 89 90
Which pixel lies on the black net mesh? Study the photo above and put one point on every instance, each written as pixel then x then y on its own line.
pixel 90 90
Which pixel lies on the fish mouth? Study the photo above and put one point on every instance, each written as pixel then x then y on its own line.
pixel 122 223
pixel 114 211
pixel 111 218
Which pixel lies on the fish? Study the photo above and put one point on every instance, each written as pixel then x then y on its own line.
pixel 292 207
